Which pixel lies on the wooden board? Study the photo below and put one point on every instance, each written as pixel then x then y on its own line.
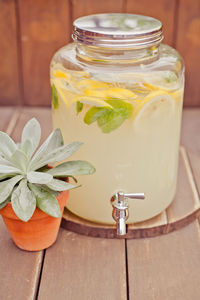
pixel 9 54
pixel 20 270
pixel 86 7
pixel 188 43
pixel 184 209
pixel 79 267
pixel 165 267
pixel 45 27
pixel 190 133
pixel 163 10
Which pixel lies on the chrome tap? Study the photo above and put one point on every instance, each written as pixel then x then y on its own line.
pixel 120 211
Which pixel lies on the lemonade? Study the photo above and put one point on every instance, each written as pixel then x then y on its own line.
pixel 129 119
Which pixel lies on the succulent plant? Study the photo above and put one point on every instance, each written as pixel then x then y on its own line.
pixel 27 181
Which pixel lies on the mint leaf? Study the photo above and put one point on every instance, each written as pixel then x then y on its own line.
pixel 94 113
pixel 171 77
pixel 125 108
pixel 79 106
pixel 54 97
pixel 109 119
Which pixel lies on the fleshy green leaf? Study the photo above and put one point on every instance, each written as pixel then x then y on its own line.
pixel 54 97
pixel 79 106
pixel 31 135
pixel 20 160
pixel 23 201
pixel 46 201
pixel 58 154
pixel 60 185
pixel 54 141
pixel 72 168
pixel 7 145
pixel 3 204
pixel 4 176
pixel 9 170
pixel 7 186
pixel 39 177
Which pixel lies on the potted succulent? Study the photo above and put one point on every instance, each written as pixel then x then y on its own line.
pixel 33 193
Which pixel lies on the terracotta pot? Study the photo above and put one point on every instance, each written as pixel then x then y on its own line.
pixel 39 232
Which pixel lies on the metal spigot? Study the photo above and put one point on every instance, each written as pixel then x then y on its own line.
pixel 120 211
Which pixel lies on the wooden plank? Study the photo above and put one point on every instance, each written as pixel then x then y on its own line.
pixel 165 267
pixel 190 138
pixel 163 10
pixel 6 114
pixel 190 134
pixel 84 268
pixel 188 43
pixel 20 270
pixel 186 191
pixel 87 7
pixel 9 79
pixel 43 115
pixel 195 165
pixel 45 27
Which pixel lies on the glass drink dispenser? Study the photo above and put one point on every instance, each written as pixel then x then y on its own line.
pixel 120 91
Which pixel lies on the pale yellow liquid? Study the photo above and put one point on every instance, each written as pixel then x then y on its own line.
pixel 139 156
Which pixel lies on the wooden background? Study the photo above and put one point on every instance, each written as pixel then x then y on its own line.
pixel 32 30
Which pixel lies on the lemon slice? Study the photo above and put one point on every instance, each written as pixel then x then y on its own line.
pixel 69 97
pixel 177 95
pixel 156 106
pixel 61 74
pixel 94 101
pixel 118 93
pixel 63 92
pixel 91 84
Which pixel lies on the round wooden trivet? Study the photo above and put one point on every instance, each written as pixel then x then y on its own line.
pixel 75 224
pixel 184 209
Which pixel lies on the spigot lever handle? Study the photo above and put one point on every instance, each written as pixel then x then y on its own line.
pixel 135 196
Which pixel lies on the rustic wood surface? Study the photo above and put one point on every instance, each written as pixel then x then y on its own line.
pixel 92 269
pixel 79 267
pixel 31 32
pixel 164 10
pixel 188 43
pixel 10 81
pixel 45 27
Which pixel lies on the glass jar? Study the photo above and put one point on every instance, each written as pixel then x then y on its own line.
pixel 120 91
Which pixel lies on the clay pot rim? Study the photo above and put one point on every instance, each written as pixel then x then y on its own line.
pixel 8 211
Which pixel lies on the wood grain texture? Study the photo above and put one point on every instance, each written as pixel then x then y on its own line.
pixel 86 7
pixel 185 191
pixel 78 267
pixel 163 10
pixel 19 269
pixel 45 27
pixel 43 115
pixel 188 43
pixel 191 139
pixel 9 79
pixel 6 114
pixel 190 134
pixel 165 267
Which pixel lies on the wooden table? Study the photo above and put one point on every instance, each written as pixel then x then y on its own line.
pixel 78 267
